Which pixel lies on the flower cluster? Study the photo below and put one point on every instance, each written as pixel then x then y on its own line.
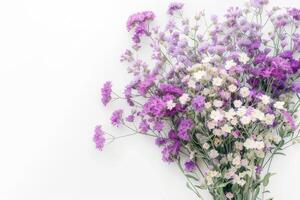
pixel 219 99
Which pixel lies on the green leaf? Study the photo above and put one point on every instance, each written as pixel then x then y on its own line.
pixel 202 187
pixel 267 179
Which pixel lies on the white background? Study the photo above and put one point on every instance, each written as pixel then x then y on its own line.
pixel 54 57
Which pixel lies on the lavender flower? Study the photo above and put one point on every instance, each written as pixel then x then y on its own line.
pixel 189 166
pixel 173 7
pixel 116 117
pixel 185 125
pixel 106 93
pixel 99 138
pixel 198 103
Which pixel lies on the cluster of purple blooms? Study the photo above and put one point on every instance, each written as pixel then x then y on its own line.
pixel 220 95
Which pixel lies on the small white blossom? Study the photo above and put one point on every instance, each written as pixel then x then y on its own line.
pixel 269 119
pixel 218 103
pixel 244 92
pixel 232 88
pixel 192 84
pixel 241 111
pixel 236 161
pixel 265 99
pixel 184 99
pixel 199 75
pixel 213 154
pixel 207 105
pixel 205 146
pixel 217 81
pixel 170 105
pixel 216 115
pixel 226 128
pixel 230 114
pixel 237 103
pixel 245 120
pixel 244 58
pixel 279 105
pixel 229 64
pixel 217 132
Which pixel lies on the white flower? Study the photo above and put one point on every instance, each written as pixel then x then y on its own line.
pixel 265 99
pixel 205 146
pixel 269 119
pixel 170 105
pixel 216 115
pixel 241 111
pixel 237 103
pixel 211 125
pixel 207 59
pixel 207 105
pixel 234 121
pixel 249 143
pixel 199 75
pixel 184 99
pixel 230 114
pixel 232 88
pixel 245 120
pixel 213 154
pixel 217 81
pixel 229 64
pixel 244 58
pixel 252 144
pixel 226 128
pixel 206 91
pixel 218 103
pixel 217 132
pixel 244 92
pixel 257 114
pixel 279 105
pixel 236 161
pixel 260 145
pixel 192 84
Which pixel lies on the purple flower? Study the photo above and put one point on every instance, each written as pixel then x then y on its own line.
pixel 295 13
pixel 259 3
pixel 158 126
pixel 146 84
pixel 296 87
pixel 258 169
pixel 160 141
pixel 139 22
pixel 130 118
pixel 144 126
pixel 170 89
pixel 198 103
pixel 288 117
pixel 185 125
pixel 175 6
pixel 116 117
pixel 189 166
pixel 170 151
pixel 155 107
pixel 99 138
pixel 106 93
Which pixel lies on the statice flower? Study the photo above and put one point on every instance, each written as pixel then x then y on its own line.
pixel 99 138
pixel 106 93
pixel 139 22
pixel 190 166
pixel 116 117
pixel 295 13
pixel 184 127
pixel 173 7
pixel 198 103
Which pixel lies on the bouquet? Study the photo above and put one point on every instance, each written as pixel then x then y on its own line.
pixel 219 96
